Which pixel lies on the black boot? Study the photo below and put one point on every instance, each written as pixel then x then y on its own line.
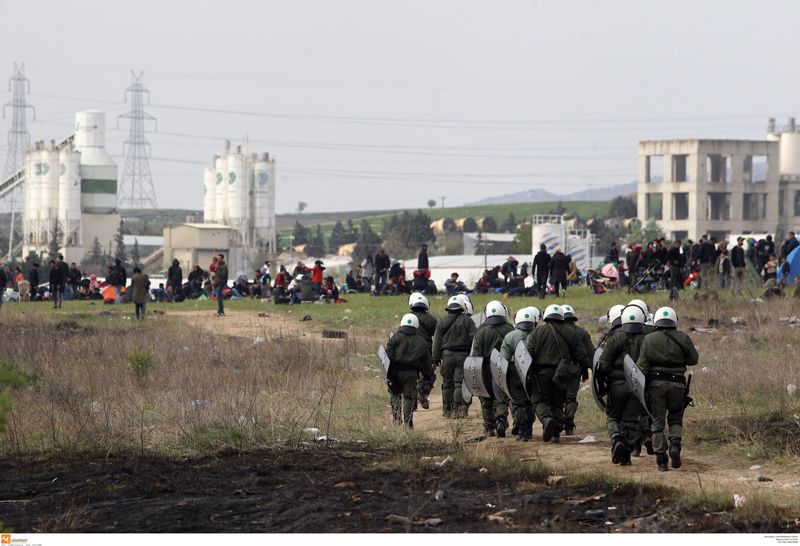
pixel 489 432
pixel 661 459
pixel 556 438
pixel 648 444
pixel 675 453
pixel 515 430
pixel 549 429
pixel 617 449
pixel 501 427
pixel 569 430
pixel 423 401
pixel 637 451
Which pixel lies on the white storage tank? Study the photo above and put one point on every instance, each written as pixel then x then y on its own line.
pixel 221 193
pixel 50 189
pixel 69 195
pixel 263 170
pixel 209 194
pixel 790 154
pixel 98 171
pixel 549 230
pixel 579 248
pixel 238 189
pixel 33 195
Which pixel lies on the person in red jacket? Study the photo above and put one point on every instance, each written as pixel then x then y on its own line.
pixel 317 277
pixel 281 282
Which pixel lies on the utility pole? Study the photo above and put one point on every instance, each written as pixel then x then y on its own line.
pixel 19 138
pixel 136 183
pixel 442 198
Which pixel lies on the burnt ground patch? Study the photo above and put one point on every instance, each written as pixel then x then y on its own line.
pixel 342 489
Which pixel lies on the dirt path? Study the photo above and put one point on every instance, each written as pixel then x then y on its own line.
pixel 701 472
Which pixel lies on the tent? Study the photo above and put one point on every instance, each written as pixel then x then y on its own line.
pixel 794 267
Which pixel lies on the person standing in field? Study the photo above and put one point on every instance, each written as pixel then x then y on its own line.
pixel 220 282
pixel 140 293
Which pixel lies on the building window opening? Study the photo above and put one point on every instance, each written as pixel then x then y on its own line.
pixel 679 168
pixel 654 206
pixel 755 169
pixel 680 235
pixel 781 204
pixel 719 206
pixel 754 206
pixel 718 168
pixel 797 203
pixel 654 169
pixel 680 206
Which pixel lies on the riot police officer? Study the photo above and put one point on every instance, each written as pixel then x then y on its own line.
pixel 488 338
pixel 623 409
pixel 419 305
pixel 571 406
pixel 663 359
pixel 408 357
pixel 525 321
pixel 452 342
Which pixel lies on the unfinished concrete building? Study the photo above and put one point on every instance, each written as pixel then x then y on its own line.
pixel 721 187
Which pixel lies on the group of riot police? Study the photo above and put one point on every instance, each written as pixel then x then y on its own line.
pixel 536 367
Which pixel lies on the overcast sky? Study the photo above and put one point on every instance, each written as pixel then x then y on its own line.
pixel 371 104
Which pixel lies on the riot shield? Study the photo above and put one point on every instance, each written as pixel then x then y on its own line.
pixel 635 379
pixel 599 390
pixel 479 319
pixel 499 366
pixel 383 358
pixel 465 394
pixel 473 377
pixel 523 363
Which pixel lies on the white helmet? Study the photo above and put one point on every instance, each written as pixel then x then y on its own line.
pixel 649 319
pixel 456 303
pixel 615 315
pixel 641 305
pixel 666 317
pixel 468 308
pixel 418 301
pixel 569 312
pixel 633 319
pixel 526 318
pixel 496 312
pixel 553 312
pixel 409 324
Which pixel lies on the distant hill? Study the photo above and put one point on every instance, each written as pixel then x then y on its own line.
pixel 539 195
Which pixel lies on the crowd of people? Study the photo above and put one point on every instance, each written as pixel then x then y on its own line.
pixel 706 263
pixel 535 366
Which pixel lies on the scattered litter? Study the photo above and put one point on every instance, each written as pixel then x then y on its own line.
pixel 791 320
pixel 345 485
pixel 312 430
pixel 430 522
pixel 612 508
pixel 258 340
pixel 584 500
pixel 555 480
pixel 764 478
pixel 440 495
pixel 588 439
pixel 791 389
pixel 490 505
pixel 200 403
pixel 305 318
pixel 595 514
pixel 444 461
pixel 483 470
pixel 325 438
pixel 264 315
pixel 739 501
pixel 755 467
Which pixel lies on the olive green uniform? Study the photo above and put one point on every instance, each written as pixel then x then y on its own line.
pixel 663 359
pixel 623 410
pixel 409 356
pixel 452 342
pixel 571 406
pixel 488 338
pixel 427 327
pixel 521 407
pixel 547 348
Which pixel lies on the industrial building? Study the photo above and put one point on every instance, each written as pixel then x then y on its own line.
pixel 721 187
pixel 554 231
pixel 70 192
pixel 238 214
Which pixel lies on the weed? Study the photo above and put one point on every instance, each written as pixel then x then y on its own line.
pixel 141 363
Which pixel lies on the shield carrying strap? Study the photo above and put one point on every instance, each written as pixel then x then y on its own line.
pixel 560 335
pixel 675 341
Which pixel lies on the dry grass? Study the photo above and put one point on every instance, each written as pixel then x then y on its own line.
pixel 161 387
